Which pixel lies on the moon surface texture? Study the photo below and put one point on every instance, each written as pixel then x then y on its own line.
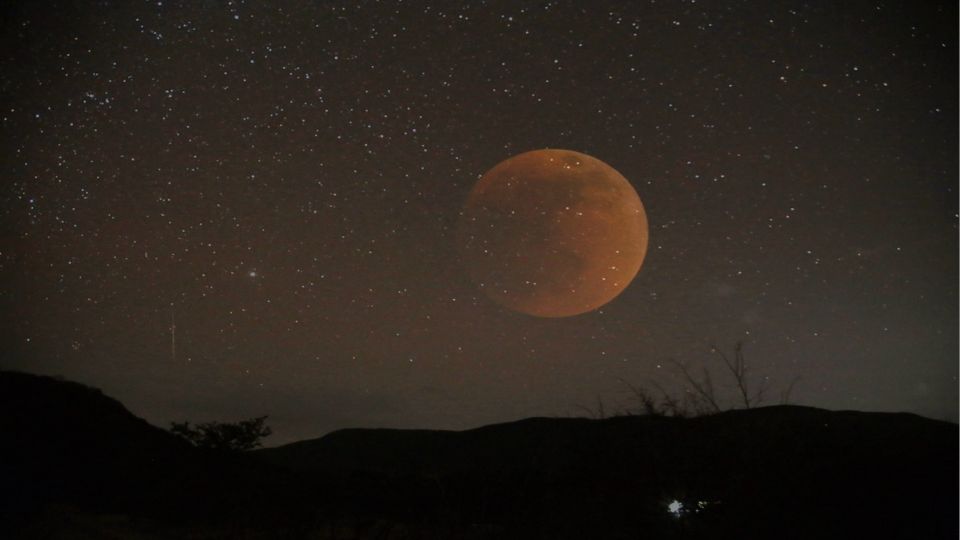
pixel 553 233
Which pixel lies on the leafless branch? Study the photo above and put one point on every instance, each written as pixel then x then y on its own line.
pixel 699 394
pixel 738 370
pixel 671 405
pixel 703 388
pixel 599 413
pixel 785 394
pixel 647 403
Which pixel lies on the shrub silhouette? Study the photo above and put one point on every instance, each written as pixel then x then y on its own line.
pixel 239 436
pixel 699 395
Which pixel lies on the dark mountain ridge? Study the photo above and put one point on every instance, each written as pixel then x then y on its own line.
pixel 571 442
pixel 67 445
pixel 64 440
pixel 829 473
pixel 773 472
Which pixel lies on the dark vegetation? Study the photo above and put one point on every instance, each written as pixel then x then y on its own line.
pixel 238 436
pixel 76 464
pixel 700 394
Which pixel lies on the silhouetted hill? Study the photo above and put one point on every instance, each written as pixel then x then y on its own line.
pixel 67 442
pixel 68 447
pixel 76 464
pixel 785 470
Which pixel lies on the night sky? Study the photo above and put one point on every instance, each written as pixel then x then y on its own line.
pixel 283 180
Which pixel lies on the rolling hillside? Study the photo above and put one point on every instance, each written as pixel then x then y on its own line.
pixel 77 464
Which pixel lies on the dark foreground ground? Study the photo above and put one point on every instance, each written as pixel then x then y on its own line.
pixel 76 464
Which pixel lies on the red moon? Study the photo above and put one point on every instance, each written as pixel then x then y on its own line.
pixel 553 233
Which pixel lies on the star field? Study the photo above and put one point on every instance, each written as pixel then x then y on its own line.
pixel 283 182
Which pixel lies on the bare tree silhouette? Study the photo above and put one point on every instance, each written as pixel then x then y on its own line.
pixel 699 394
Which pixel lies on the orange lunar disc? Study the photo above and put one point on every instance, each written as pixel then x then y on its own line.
pixel 553 233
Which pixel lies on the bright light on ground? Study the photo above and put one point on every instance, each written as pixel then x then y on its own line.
pixel 675 507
